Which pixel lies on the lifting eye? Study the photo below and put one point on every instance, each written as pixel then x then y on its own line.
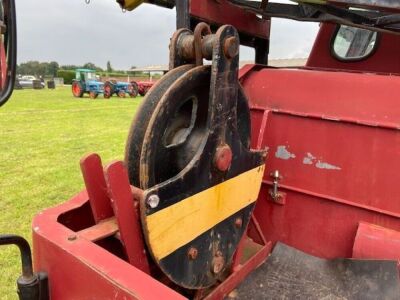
pixel 182 124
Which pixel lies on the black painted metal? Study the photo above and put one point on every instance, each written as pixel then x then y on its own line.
pixel 309 12
pixel 176 168
pixel 140 122
pixel 31 286
pixel 10 43
pixel 25 250
pixel 163 3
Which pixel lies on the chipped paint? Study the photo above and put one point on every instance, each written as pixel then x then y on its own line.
pixel 326 166
pixel 283 153
pixel 309 159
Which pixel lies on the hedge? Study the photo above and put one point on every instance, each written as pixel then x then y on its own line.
pixel 67 75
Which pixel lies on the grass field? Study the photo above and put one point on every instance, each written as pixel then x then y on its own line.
pixel 43 134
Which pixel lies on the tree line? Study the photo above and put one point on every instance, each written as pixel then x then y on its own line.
pixel 51 69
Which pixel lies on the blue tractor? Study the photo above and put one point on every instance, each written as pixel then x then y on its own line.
pixel 121 89
pixel 86 82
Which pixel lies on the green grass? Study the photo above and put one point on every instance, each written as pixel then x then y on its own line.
pixel 43 134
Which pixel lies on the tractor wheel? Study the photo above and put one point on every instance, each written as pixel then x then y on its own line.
pixel 77 89
pixel 133 89
pixel 121 94
pixel 93 95
pixel 108 89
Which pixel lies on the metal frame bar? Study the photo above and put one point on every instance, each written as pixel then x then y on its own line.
pixel 367 19
pixel 184 19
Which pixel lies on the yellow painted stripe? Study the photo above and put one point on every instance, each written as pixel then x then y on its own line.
pixel 177 225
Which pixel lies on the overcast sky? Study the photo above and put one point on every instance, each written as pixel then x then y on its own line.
pixel 72 32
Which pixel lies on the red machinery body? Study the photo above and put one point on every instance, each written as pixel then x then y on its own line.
pixel 332 133
pixel 384 60
pixel 144 86
pixel 336 146
pixel 325 135
pixel 81 269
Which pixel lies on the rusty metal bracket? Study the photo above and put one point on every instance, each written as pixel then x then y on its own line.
pixel 187 47
pixel 200 31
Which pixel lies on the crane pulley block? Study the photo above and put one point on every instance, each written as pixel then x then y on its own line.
pixel 189 150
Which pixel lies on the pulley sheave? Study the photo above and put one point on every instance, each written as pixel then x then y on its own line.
pixel 201 180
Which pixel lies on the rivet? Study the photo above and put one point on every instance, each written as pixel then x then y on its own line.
pixel 72 237
pixel 231 47
pixel 218 263
pixel 153 201
pixel 238 222
pixel 192 253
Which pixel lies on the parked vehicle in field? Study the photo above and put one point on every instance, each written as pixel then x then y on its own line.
pixel 144 87
pixel 86 82
pixel 29 82
pixel 121 89
pixel 278 183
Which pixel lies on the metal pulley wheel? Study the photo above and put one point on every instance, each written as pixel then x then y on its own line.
pixel 140 122
pixel 182 129
pixel 188 149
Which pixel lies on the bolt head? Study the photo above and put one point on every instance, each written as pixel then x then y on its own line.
pixel 72 237
pixel 192 253
pixel 238 222
pixel 231 47
pixel 223 158
pixel 218 263
pixel 153 201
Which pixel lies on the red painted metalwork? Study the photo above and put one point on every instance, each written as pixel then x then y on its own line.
pixel 334 138
pixel 222 12
pixel 91 251
pixel 385 60
pixel 3 66
pixel 376 242
pixel 255 233
pixel 128 218
pixel 252 252
pixel 240 273
pixel 105 229
pixel 81 269
pixel 93 175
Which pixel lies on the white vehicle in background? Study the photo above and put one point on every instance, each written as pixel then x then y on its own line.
pixel 27 82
